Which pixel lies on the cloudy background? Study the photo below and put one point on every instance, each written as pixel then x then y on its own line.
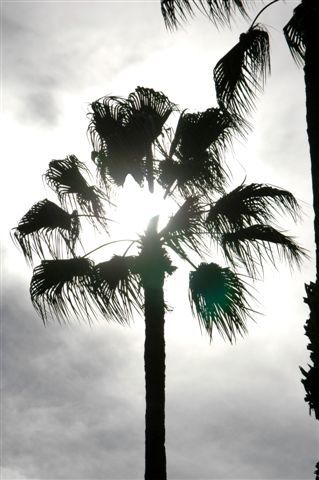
pixel 73 396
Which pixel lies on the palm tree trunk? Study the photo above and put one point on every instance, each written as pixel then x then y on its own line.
pixel 311 71
pixel 154 362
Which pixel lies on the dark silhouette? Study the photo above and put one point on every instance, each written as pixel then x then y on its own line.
pixel 130 136
pixel 238 76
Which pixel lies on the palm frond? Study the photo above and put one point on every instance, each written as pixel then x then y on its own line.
pixel 294 34
pixel 241 73
pixel 195 159
pixel 47 223
pixel 257 243
pixel 218 298
pixel 203 176
pixel 219 11
pixel 108 119
pixel 123 132
pixel 118 288
pixel 66 179
pixel 149 111
pixel 185 229
pixel 212 129
pixel 249 204
pixel 62 287
pixel 302 23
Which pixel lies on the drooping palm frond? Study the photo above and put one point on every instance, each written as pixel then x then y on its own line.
pixel 218 298
pixel 185 229
pixel 249 204
pixel 66 179
pixel 241 73
pixel 219 11
pixel 62 287
pixel 257 243
pixel 294 34
pixel 123 132
pixel 47 223
pixel 118 288
pixel 303 25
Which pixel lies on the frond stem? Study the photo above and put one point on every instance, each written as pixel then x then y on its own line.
pixel 98 216
pixel 185 257
pixel 106 244
pixel 261 11
pixel 68 244
pixel 168 191
pixel 130 245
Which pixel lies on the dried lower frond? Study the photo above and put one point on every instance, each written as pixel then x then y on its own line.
pixel 47 224
pixel 218 298
pixel 241 73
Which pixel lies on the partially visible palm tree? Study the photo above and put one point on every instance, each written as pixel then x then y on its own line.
pixel 189 165
pixel 240 75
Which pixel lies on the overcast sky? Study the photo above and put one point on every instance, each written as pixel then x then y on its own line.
pixel 73 397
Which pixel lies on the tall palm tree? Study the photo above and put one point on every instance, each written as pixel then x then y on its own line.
pixel 188 164
pixel 238 76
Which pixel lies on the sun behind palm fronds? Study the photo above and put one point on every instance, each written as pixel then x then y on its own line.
pixel 123 132
pixel 188 165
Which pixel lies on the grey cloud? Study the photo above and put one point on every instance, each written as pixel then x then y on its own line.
pixel 51 50
pixel 74 405
pixel 64 411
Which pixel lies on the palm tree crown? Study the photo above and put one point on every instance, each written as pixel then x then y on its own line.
pixel 129 137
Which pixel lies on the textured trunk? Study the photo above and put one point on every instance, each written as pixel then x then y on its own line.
pixel 311 70
pixel 154 358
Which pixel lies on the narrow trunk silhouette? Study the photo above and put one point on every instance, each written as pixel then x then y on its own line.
pixel 311 70
pixel 154 358
pixel 153 267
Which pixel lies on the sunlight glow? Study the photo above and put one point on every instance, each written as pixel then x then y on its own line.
pixel 136 206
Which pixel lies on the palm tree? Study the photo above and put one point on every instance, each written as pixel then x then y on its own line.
pixel 188 164
pixel 239 75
